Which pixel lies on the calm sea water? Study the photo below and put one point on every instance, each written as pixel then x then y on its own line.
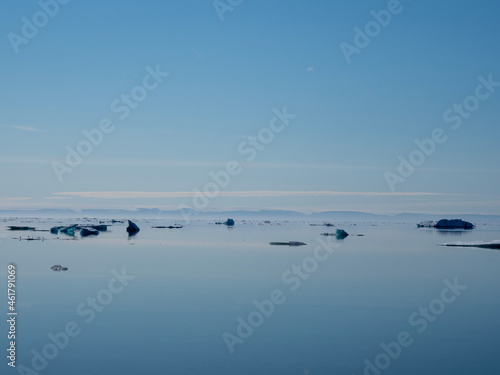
pixel 191 285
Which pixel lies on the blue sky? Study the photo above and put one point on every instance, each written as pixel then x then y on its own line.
pixel 353 120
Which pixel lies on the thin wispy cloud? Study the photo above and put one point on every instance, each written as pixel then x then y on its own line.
pixel 5 200
pixel 238 194
pixel 129 162
pixel 57 198
pixel 23 128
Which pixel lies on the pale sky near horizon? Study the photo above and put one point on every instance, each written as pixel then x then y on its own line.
pixel 348 124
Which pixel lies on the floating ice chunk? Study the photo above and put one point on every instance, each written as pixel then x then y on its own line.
pixel 482 244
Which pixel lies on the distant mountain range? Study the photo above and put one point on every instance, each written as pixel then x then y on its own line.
pixel 146 213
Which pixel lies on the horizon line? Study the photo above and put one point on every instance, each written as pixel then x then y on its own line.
pixel 238 194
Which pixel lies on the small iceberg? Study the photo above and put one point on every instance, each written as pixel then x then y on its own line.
pixel 100 228
pixel 480 244
pixel 228 222
pixel 454 224
pixel 14 228
pixel 132 229
pixel 289 243
pixel 29 238
pixel 169 227
pixel 58 267
pixel 341 234
pixel 427 224
pixel 88 232
pixel 54 230
pixel 70 231
pixel 446 224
